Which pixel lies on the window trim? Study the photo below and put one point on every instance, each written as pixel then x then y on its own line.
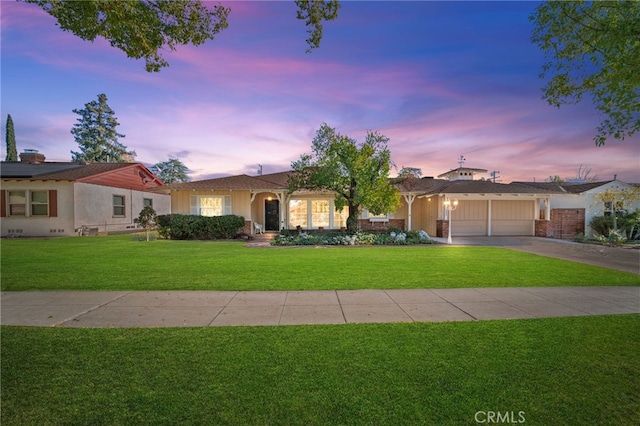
pixel 25 195
pixel 309 219
pixel 195 205
pixel 33 203
pixel 114 205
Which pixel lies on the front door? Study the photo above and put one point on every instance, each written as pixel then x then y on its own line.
pixel 271 215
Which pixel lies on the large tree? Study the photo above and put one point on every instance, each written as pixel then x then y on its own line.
pixel 96 134
pixel 143 28
pixel 12 151
pixel 171 171
pixel 358 174
pixel 593 49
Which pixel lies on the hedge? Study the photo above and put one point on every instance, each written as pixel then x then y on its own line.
pixel 192 227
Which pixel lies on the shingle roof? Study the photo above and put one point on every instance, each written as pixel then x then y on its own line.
pixel 57 171
pixel 489 187
pixel 566 187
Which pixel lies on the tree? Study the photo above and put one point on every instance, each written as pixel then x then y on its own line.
pixel 313 12
pixel 12 152
pixel 410 171
pixel 172 171
pixel 357 174
pixel 593 49
pixel 143 28
pixel 555 179
pixel 147 219
pixel 95 132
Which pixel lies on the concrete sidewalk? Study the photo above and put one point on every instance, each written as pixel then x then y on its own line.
pixel 224 308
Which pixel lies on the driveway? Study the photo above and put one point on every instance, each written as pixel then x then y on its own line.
pixel 622 259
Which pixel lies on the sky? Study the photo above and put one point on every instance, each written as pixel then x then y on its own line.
pixel 441 80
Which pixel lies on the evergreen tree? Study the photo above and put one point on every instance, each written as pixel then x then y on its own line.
pixel 172 171
pixel 12 152
pixel 95 133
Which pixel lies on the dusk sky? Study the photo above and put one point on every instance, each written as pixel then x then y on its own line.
pixel 440 79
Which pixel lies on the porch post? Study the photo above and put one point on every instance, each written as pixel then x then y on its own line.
pixel 547 212
pixel 409 198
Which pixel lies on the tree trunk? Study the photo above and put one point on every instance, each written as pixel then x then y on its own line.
pixel 353 224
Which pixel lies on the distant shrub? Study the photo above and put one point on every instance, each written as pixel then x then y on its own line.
pixel 192 227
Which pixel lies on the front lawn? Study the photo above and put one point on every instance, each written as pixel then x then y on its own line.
pixel 118 263
pixel 550 371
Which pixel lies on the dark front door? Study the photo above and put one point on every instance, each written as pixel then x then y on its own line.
pixel 271 215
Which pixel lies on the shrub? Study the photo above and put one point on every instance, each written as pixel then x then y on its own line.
pixel 192 227
pixel 615 238
pixel 601 225
pixel 287 238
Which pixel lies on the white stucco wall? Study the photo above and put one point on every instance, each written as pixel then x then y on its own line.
pixel 94 206
pixel 40 226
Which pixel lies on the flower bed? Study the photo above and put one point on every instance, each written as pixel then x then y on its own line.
pixel 288 238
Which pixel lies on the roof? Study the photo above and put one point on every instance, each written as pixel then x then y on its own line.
pixel 565 187
pixel 410 184
pixel 489 187
pixel 57 171
pixel 10 169
pixel 274 181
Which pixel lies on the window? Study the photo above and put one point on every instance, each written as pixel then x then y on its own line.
pixel 147 202
pixel 118 205
pixel 39 203
pixel 340 218
pixel 298 213
pixel 320 213
pixel 310 213
pixel 17 203
pixel 219 205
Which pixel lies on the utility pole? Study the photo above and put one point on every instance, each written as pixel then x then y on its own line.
pixel 494 175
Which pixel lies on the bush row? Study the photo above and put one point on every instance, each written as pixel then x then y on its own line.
pixel 289 238
pixel 192 227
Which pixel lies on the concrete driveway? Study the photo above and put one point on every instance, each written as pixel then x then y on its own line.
pixel 622 259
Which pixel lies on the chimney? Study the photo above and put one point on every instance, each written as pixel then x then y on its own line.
pixel 31 156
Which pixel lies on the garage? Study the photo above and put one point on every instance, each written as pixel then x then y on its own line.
pixel 512 217
pixel 470 218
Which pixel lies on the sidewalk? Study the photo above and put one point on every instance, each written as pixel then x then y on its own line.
pixel 215 308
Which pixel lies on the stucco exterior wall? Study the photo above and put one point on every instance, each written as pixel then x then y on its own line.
pixel 94 206
pixel 41 226
pixel 594 207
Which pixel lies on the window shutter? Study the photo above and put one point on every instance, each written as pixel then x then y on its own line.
pixel 226 207
pixel 3 202
pixel 53 203
pixel 193 207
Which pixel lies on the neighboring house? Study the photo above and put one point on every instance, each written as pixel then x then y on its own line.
pixel 484 207
pixel 580 197
pixel 41 198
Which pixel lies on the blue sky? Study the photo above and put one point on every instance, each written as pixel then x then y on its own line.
pixel 440 79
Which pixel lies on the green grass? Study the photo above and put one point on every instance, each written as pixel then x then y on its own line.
pixel 118 263
pixel 557 371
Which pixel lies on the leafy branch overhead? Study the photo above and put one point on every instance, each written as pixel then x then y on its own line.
pixel 593 49
pixel 143 28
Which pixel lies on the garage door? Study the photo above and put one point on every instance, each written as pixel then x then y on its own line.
pixel 470 218
pixel 512 217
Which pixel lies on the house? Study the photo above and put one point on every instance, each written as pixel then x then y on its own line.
pixel 579 199
pixel 483 208
pixel 40 198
